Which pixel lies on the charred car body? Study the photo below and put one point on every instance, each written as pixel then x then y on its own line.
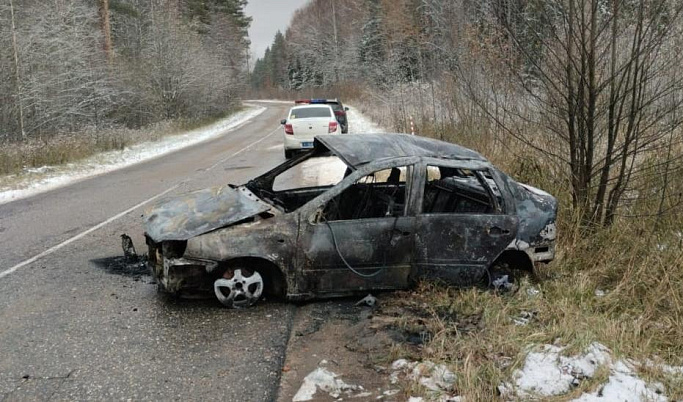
pixel 406 207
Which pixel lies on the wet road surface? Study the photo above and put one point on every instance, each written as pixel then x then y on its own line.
pixel 80 324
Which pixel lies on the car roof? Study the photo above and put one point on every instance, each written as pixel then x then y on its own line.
pixel 359 149
pixel 307 105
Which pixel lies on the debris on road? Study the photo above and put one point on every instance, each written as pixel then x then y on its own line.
pixel 368 300
pixel 128 248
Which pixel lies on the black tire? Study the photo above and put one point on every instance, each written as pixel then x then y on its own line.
pixel 288 153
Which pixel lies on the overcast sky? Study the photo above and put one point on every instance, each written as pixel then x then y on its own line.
pixel 269 16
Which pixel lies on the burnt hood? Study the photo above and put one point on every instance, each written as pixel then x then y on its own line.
pixel 202 211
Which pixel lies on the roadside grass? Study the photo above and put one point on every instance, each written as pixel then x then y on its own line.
pixel 483 338
pixel 621 286
pixel 18 157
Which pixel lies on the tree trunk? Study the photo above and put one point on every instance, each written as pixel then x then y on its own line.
pixel 106 29
pixel 17 74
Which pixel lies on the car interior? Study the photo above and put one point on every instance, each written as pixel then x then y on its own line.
pixel 380 194
pixel 454 190
pixel 383 193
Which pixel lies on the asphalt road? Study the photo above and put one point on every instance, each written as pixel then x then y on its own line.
pixel 79 324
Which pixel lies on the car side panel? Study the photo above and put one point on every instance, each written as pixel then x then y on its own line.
pixel 270 239
pixel 458 248
pixel 378 252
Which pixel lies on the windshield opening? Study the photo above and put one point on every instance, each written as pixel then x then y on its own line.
pixel 290 187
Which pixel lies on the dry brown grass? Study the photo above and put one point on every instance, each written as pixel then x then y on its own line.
pixel 639 266
pixel 63 148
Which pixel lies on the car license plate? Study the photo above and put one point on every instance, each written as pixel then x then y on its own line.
pixel 307 145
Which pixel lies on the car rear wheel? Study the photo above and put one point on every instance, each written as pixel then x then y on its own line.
pixel 239 287
pixel 502 277
pixel 288 153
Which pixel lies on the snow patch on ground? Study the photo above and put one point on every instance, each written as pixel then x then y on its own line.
pixel 547 373
pixel 325 381
pixel 38 180
pixel 359 124
pixel 436 378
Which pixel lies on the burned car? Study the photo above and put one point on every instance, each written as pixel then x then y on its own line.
pixel 395 208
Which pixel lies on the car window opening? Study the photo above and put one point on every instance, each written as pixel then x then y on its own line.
pixel 377 195
pixel 381 194
pixel 456 190
pixel 310 112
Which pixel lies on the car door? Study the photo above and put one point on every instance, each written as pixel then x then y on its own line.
pixel 461 225
pixel 356 238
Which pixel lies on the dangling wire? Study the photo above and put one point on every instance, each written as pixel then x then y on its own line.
pixel 336 247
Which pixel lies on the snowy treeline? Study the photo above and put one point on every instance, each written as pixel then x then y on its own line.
pixel 66 65
pixel 592 87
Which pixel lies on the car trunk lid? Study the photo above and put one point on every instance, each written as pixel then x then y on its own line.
pixel 306 129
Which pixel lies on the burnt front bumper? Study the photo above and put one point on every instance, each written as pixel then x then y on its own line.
pixel 175 274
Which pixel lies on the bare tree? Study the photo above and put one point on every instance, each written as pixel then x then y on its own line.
pixel 598 83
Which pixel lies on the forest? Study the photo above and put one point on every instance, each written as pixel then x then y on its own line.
pixel 78 68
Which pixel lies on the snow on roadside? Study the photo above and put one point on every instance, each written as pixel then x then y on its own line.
pixel 359 124
pixel 437 379
pixel 38 180
pixel 547 373
pixel 325 381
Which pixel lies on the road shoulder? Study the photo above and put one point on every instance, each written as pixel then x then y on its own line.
pixel 340 338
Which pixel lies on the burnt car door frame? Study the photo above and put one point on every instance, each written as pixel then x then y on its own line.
pixel 322 268
pixel 459 247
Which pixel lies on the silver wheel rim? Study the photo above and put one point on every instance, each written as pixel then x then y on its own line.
pixel 241 290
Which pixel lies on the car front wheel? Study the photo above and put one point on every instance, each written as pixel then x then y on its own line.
pixel 239 287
